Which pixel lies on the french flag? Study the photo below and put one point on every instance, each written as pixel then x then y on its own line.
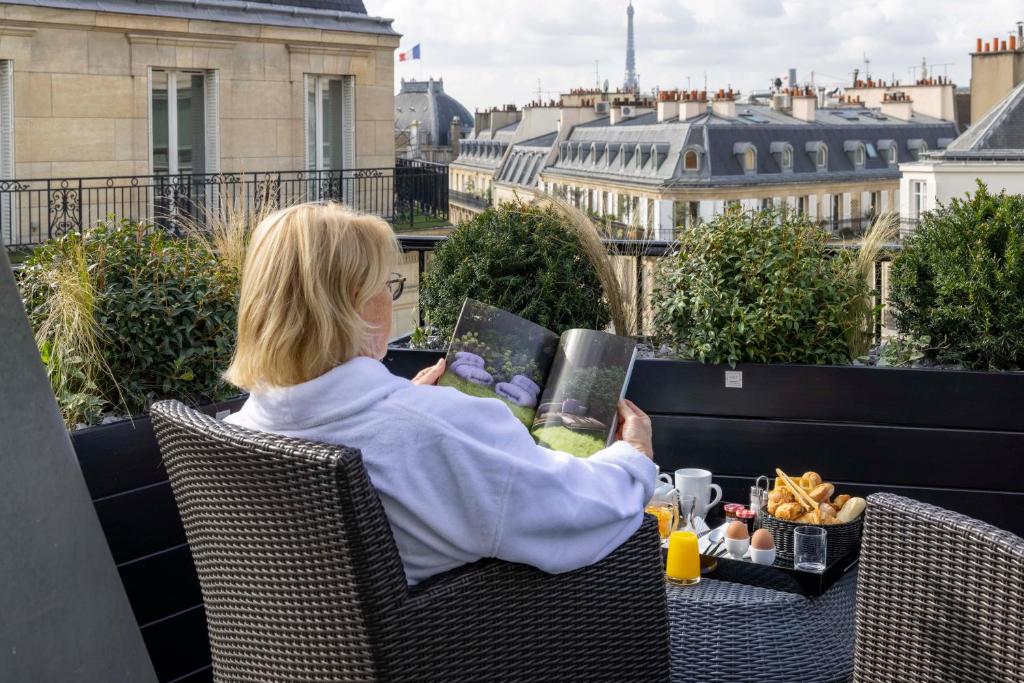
pixel 412 54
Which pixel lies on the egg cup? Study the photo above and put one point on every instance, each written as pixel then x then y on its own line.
pixel 764 556
pixel 737 546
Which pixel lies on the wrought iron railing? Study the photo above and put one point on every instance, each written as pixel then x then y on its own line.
pixel 34 210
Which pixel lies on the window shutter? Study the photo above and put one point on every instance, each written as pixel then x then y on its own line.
pixel 6 118
pixel 348 134
pixel 149 117
pixel 212 97
pixel 8 217
pixel 306 113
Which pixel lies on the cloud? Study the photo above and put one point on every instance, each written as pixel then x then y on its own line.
pixel 494 52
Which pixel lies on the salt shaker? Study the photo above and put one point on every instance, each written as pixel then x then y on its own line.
pixel 759 498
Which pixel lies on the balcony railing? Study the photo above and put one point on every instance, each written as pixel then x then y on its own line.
pixel 34 210
pixel 639 276
pixel 469 199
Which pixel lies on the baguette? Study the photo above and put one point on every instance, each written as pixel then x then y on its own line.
pixel 852 509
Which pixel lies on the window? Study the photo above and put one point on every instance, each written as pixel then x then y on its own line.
pixel 691 162
pixel 822 157
pixel 6 123
pixel 330 122
pixel 858 156
pixel 890 155
pixel 183 121
pixel 750 159
pixel 650 214
pixel 918 198
pixel 801 205
pixel 623 206
pixel 787 159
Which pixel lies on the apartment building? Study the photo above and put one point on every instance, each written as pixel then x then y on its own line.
pixel 125 88
pixel 660 165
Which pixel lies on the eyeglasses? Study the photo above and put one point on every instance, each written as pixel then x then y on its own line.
pixel 396 285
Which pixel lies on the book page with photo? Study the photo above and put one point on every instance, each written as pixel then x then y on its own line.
pixel 566 391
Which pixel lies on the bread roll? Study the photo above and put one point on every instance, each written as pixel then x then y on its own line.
pixel 852 509
pixel 822 493
pixel 789 511
pixel 840 501
pixel 812 479
pixel 777 498
pixel 827 513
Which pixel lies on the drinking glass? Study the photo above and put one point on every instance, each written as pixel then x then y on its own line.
pixel 687 506
pixel 683 563
pixel 668 517
pixel 809 548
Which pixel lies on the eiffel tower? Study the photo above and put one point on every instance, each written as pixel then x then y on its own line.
pixel 632 83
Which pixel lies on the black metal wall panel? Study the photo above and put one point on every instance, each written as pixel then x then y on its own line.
pixel 65 616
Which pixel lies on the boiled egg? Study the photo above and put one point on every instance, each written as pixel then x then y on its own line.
pixel 736 530
pixel 762 540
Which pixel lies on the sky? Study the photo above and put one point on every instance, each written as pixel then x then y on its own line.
pixel 495 52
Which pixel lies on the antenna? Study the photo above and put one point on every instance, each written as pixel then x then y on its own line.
pixel 705 81
pixel 597 74
pixel 945 68
pixel 867 67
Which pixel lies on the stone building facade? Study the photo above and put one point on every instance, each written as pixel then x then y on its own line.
pixel 125 88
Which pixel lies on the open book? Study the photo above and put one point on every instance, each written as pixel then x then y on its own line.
pixel 565 390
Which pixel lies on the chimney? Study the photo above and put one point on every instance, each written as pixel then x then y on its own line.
pixel 667 108
pixel 693 104
pixel 1013 43
pixel 979 45
pixel 615 115
pixel 897 106
pixel 724 104
pixel 453 136
pixel 805 106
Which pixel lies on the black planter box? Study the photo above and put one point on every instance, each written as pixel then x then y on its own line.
pixel 127 482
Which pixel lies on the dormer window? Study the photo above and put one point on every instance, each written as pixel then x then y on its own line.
pixel 783 153
pixel 917 147
pixel 855 148
pixel 691 161
pixel 819 154
pixel 747 155
pixel 889 151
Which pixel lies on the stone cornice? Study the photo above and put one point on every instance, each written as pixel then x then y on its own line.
pixel 325 50
pixel 178 41
pixel 19 31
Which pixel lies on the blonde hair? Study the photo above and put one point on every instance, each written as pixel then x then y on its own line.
pixel 309 270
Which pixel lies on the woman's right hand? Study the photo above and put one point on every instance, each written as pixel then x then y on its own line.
pixel 635 428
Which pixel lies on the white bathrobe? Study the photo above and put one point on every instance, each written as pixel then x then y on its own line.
pixel 460 477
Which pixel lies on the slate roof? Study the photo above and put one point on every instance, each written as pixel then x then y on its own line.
pixel 333 15
pixel 998 135
pixel 640 150
pixel 526 160
pixel 427 102
pixel 355 6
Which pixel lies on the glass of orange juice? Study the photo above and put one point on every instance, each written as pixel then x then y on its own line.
pixel 682 566
pixel 667 513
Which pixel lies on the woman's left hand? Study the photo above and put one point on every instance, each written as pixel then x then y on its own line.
pixel 430 375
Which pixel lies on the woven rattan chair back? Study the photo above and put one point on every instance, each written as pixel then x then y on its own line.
pixel 295 557
pixel 940 597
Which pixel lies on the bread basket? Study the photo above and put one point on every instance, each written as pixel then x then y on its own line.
pixel 841 539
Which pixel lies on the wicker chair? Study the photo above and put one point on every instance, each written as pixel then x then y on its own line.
pixel 302 581
pixel 940 597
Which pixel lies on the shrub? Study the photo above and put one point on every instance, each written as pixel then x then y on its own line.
pixel 959 281
pixel 761 287
pixel 518 257
pixel 125 315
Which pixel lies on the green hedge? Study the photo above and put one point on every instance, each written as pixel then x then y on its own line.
pixel 520 258
pixel 126 315
pixel 959 282
pixel 760 287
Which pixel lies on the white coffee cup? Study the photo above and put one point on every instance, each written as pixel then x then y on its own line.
pixel 691 481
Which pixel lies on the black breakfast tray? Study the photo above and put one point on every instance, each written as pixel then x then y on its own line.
pixel 781 577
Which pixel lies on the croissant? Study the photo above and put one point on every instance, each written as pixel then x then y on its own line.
pixel 822 493
pixel 826 514
pixel 840 501
pixel 789 511
pixel 777 498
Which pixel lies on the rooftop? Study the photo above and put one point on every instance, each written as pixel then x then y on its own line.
pixel 998 135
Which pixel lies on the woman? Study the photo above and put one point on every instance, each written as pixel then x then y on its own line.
pixel 460 477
